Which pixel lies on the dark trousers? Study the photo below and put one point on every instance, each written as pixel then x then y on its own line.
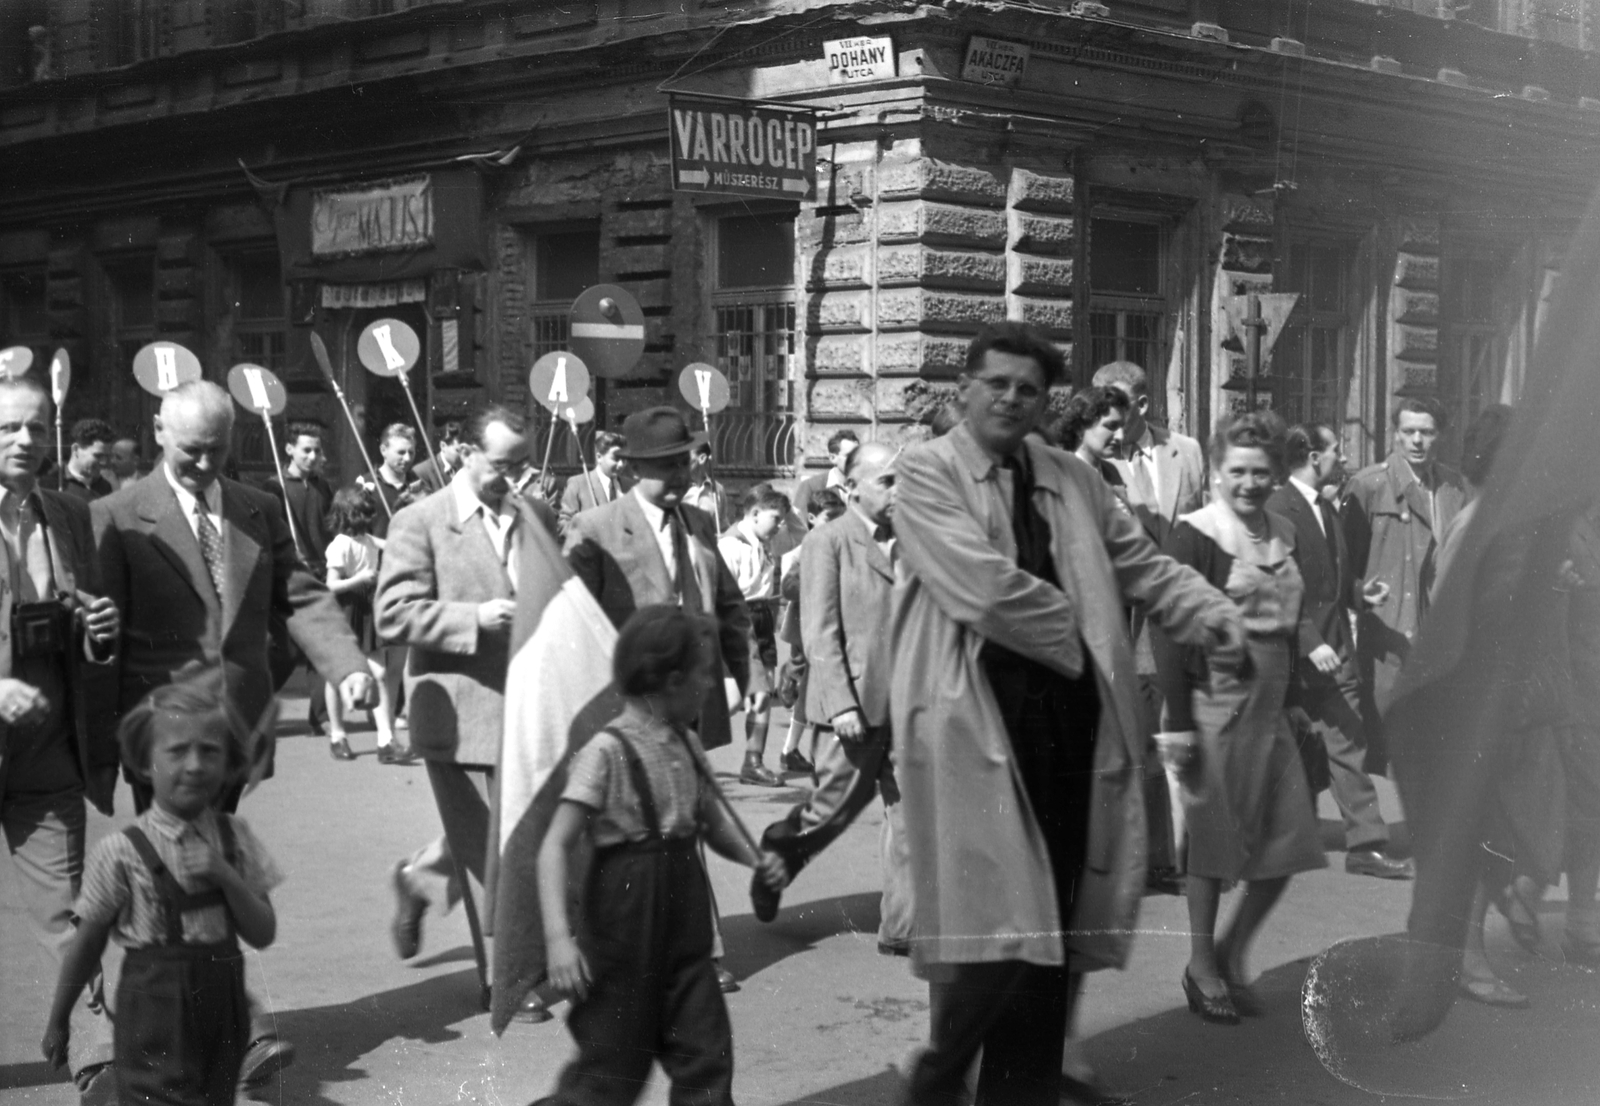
pixel 1017 1012
pixel 849 774
pixel 182 1025
pixel 647 938
pixel 1332 705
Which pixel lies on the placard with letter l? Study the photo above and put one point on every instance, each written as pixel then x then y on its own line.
pixel 742 148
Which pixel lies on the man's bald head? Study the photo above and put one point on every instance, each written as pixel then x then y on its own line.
pixel 195 429
pixel 869 459
pixel 870 474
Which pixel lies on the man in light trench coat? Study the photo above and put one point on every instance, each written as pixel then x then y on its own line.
pixel 1014 704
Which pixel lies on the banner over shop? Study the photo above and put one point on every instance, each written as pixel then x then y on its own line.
pixel 740 148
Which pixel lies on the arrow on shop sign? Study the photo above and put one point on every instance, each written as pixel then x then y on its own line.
pixel 701 177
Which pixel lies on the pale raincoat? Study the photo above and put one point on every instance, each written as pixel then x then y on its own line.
pixel 982 878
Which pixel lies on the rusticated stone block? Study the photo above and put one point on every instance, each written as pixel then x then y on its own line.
pixel 946 268
pixel 930 179
pixel 1249 255
pixel 1419 234
pixel 1031 191
pixel 837 230
pixel 1417 379
pixel 834 399
pixel 1414 343
pixel 924 354
pixel 839 311
pixel 851 183
pixel 940 223
pixel 1049 234
pixel 1411 271
pixel 1051 276
pixel 1415 307
pixel 839 355
pixel 839 268
pixel 1052 315
pixel 919 308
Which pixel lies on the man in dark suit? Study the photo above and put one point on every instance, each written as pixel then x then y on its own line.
pixel 447 591
pixel 1327 689
pixel 306 497
pixel 649 547
pixel 50 759
pixel 601 484
pixel 428 473
pixel 82 475
pixel 840 445
pixel 846 580
pixel 203 569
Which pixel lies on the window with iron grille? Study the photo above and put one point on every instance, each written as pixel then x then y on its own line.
pixel 257 307
pixel 565 262
pixel 753 320
pixel 1309 364
pixel 1127 301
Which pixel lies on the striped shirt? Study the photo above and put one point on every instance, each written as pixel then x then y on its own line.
pixel 598 778
pixel 119 889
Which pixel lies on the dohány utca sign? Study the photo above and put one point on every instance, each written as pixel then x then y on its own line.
pixel 725 146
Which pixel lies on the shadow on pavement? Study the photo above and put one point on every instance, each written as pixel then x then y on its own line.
pixel 461 954
pixel 331 1040
pixel 34 1074
pixel 753 946
pixel 883 1089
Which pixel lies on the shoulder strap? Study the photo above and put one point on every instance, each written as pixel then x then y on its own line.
pixel 641 785
pixel 166 885
pixel 230 842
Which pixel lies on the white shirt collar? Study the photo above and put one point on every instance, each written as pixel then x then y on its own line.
pixel 1310 493
pixel 468 504
pixel 187 499
pixel 652 514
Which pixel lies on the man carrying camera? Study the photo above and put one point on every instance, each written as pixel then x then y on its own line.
pixel 54 632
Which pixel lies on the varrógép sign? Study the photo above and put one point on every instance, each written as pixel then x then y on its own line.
pixel 726 146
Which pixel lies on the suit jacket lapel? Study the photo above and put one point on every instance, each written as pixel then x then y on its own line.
pixel 638 538
pixel 55 525
pixel 1166 475
pixel 174 539
pixel 480 546
pixel 873 553
pixel 240 551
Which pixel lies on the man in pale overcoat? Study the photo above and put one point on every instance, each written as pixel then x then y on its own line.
pixel 1395 514
pixel 447 590
pixel 1014 705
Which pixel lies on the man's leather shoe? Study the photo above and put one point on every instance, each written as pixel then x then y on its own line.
pixel 795 761
pixel 406 928
pixel 1372 862
pixel 395 753
pixel 97 1086
pixel 763 899
pixel 265 1057
pixel 339 749
pixel 532 1012
pixel 757 774
pixel 725 981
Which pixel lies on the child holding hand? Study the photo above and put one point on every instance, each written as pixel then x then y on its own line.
pixel 641 975
pixel 176 889
pixel 353 558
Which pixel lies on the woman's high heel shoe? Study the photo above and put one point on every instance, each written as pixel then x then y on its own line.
pixel 1218 1010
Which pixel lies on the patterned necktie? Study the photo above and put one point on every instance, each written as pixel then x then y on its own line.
pixel 210 543
pixel 1328 523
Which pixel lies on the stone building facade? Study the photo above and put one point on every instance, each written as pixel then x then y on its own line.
pixel 1411 176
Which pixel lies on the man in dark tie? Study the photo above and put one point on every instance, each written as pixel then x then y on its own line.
pixel 599 485
pixel 648 546
pixel 1326 689
pixel 204 570
pixel 846 580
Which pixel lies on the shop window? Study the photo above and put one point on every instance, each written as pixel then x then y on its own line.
pixel 753 320
pixel 1472 362
pixel 256 304
pixel 565 262
pixel 1127 303
pixel 1309 362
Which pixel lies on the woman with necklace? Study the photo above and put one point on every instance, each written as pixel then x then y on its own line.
pixel 1249 811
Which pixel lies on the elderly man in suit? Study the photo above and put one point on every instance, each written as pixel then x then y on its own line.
pixel 204 570
pixel 1018 739
pixel 50 759
pixel 447 590
pixel 649 547
pixel 599 485
pixel 1326 689
pixel 846 578
pixel 1395 514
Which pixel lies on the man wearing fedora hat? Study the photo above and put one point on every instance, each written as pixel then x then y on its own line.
pixel 649 547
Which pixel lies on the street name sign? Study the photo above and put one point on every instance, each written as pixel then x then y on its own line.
pixel 742 149
pixel 851 60
pixel 994 61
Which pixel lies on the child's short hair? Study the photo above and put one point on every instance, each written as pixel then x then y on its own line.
pixel 764 497
pixel 656 642
pixel 195 691
pixel 351 511
pixel 826 502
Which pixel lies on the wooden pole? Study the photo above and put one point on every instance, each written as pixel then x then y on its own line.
pixel 277 463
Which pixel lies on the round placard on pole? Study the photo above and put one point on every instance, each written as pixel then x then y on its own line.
pixel 559 380
pixel 161 366
pixel 578 413
pixel 257 390
pixel 14 361
pixel 704 387
pixel 607 330
pixel 388 347
pixel 60 376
